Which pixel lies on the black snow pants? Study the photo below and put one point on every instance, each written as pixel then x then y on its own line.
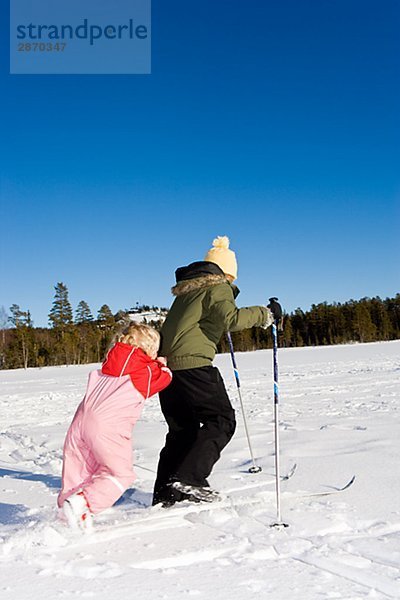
pixel 201 422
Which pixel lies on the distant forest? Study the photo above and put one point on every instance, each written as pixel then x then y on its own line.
pixel 83 338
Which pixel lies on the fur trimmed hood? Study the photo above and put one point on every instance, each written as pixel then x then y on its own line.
pixel 197 283
pixel 202 311
pixel 199 275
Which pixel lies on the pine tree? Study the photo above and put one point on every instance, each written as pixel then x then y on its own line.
pixel 60 315
pixel 380 318
pixel 364 328
pixel 22 322
pixel 106 323
pixel 85 333
pixel 105 317
pixel 16 318
pixel 287 332
pixel 299 324
pixel 83 313
pixel 4 323
pixel 392 306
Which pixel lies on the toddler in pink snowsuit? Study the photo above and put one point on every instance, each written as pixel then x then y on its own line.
pixel 97 461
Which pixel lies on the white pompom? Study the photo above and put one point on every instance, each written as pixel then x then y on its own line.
pixel 222 241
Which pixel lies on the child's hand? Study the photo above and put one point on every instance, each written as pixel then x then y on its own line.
pixel 162 360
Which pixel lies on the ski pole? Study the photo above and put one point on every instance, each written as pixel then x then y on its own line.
pixel 279 522
pixel 254 468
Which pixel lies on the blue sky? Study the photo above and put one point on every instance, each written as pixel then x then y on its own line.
pixel 275 123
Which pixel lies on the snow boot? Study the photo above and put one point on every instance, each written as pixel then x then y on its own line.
pixel 196 493
pixel 77 512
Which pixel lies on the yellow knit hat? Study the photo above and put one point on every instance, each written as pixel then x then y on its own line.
pixel 222 256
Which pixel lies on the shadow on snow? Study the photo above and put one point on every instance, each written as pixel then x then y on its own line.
pixel 12 514
pixel 51 481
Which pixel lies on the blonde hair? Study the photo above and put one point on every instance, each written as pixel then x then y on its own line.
pixel 142 336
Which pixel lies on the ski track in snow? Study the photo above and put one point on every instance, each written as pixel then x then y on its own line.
pixel 339 417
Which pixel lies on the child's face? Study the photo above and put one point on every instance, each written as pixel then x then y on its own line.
pixel 153 351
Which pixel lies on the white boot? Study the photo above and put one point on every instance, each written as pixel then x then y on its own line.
pixel 77 512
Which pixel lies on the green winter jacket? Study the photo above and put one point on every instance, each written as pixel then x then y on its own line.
pixel 204 308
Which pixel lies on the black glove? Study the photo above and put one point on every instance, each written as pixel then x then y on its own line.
pixel 275 308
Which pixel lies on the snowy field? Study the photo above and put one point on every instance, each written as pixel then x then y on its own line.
pixel 339 418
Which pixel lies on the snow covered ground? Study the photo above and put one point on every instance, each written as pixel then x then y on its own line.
pixel 339 417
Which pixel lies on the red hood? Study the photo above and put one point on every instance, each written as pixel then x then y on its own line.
pixel 118 360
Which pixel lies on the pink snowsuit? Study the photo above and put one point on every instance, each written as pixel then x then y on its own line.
pixel 98 446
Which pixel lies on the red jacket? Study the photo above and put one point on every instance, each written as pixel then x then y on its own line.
pixel 148 376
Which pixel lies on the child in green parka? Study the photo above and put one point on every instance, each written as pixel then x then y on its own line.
pixel 197 409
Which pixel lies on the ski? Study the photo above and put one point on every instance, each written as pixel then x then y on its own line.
pixel 261 483
pixel 290 473
pixel 175 515
pixel 334 490
pixel 157 518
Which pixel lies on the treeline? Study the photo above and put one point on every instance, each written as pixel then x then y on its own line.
pixel 365 320
pixel 83 338
pixel 70 339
